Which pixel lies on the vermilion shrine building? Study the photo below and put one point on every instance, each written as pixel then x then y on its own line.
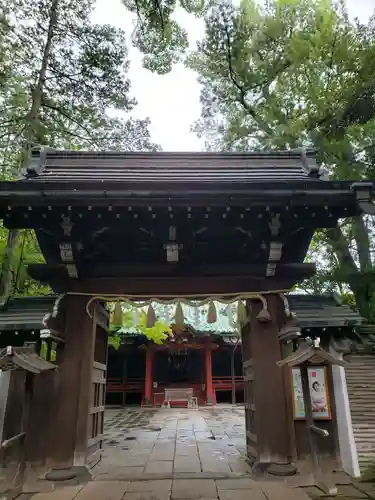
pixel 176 226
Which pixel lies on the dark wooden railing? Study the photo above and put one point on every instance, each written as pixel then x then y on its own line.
pixel 128 385
pixel 225 383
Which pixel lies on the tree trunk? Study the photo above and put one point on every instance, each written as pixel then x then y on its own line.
pixel 7 269
pixel 358 279
pixel 33 133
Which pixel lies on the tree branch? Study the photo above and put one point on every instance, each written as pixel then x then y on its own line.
pixel 362 240
pixel 241 89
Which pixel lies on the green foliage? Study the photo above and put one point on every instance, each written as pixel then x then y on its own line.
pixel 63 83
pixel 298 73
pixel 157 333
pixel 26 252
pixel 157 35
pixel 61 95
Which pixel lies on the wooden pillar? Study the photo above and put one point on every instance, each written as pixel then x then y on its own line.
pixel 267 429
pixel 70 433
pixel 4 392
pixel 124 378
pixel 233 375
pixel 210 397
pixel 148 376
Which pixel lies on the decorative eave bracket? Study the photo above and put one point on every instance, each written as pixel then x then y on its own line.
pixel 363 191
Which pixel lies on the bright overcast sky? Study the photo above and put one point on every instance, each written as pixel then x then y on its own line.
pixel 172 101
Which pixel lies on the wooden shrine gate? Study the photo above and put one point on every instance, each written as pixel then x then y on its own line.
pixel 195 224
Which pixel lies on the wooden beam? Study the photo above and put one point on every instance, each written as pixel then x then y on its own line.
pixel 177 286
pixel 258 270
pixel 171 285
pixel 45 272
pixel 333 194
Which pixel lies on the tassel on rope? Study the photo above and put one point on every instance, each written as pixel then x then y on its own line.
pixel 241 313
pixel 264 315
pixel 136 317
pixel 151 317
pixel 211 314
pixel 288 312
pixel 179 316
pixel 229 313
pixel 117 315
pixel 228 310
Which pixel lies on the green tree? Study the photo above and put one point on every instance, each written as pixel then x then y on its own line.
pixel 297 73
pixel 157 34
pixel 125 317
pixel 63 83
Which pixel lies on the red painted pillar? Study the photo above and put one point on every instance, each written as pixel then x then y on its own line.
pixel 210 397
pixel 148 377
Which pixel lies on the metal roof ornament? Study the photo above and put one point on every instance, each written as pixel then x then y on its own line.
pixel 309 163
pixel 363 191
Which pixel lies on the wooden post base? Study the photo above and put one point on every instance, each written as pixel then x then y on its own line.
pixel 274 469
pixel 80 473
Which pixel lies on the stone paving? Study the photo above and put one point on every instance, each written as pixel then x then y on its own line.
pixel 176 454
pixel 197 489
pixel 179 489
pixel 169 441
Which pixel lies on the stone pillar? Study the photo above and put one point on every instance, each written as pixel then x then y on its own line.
pixel 148 376
pixel 210 398
pixel 69 430
pixel 269 396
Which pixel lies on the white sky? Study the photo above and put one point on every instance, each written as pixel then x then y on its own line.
pixel 172 101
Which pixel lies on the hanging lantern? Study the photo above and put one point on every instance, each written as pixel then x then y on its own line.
pixel 179 318
pixel 117 315
pixel 211 314
pixel 151 317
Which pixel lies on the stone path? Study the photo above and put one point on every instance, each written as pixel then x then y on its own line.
pixel 148 452
pixel 170 441
pixel 197 489
pixel 179 489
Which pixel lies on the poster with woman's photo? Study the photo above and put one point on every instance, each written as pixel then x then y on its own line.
pixel 318 392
